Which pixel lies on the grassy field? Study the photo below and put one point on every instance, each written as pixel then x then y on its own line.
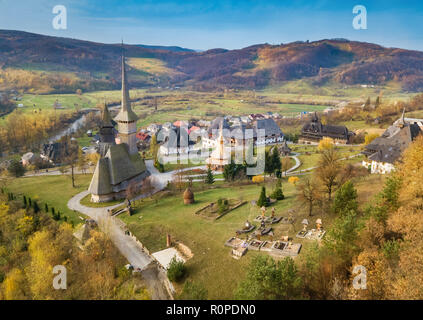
pixel 309 155
pixel 303 90
pixel 55 190
pixel 172 104
pixel 287 99
pixel 212 264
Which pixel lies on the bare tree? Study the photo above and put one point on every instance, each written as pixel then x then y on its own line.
pixel 132 190
pixel 286 164
pixel 308 194
pixel 178 178
pixel 69 156
pixel 147 186
pixel 329 171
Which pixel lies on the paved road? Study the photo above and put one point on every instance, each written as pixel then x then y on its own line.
pixel 126 245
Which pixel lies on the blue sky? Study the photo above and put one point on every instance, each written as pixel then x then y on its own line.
pixel 220 24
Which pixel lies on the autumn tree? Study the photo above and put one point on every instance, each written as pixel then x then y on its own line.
pixel 370 137
pixel 147 187
pixel 15 285
pixel 325 144
pixel 285 164
pixel 329 171
pixel 82 162
pixel 69 156
pixel 391 242
pixel 132 190
pixel 308 194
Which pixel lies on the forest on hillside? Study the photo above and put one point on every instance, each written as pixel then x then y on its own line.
pixel 44 64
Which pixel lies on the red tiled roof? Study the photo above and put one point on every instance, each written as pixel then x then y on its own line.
pixel 142 136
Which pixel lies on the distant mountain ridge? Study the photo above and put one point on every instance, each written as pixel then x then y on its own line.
pixel 169 48
pixel 53 64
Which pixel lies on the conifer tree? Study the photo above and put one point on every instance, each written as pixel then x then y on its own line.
pixel 262 201
pixel 209 177
pixel 345 199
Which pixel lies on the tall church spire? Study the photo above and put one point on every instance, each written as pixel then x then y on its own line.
pixel 105 116
pixel 126 113
pixel 126 118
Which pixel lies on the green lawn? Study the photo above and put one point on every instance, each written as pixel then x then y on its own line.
pixel 55 190
pixel 86 201
pixel 309 156
pixel 212 264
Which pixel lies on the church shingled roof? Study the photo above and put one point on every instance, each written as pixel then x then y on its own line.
pixel 100 182
pixel 270 126
pixel 389 147
pixel 316 127
pixel 106 119
pixel 115 167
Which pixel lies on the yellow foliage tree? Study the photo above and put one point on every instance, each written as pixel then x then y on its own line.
pixel 395 263
pixel 48 248
pixel 325 144
pixel 258 179
pixel 14 285
pixel 370 137
pixel 293 180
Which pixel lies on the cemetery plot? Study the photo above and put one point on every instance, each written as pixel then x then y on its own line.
pixel 256 244
pixel 282 248
pixel 248 227
pixel 237 253
pixel 274 248
pixel 216 210
pixel 313 234
pixel 234 242
pixel 273 220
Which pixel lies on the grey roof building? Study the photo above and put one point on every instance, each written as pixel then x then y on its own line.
pixel 270 127
pixel 121 165
pixel 388 148
pixel 218 124
pixel 314 131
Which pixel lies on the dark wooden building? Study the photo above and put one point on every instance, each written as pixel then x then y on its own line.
pixel 314 131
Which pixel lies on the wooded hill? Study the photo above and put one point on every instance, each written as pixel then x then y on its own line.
pixel 53 64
